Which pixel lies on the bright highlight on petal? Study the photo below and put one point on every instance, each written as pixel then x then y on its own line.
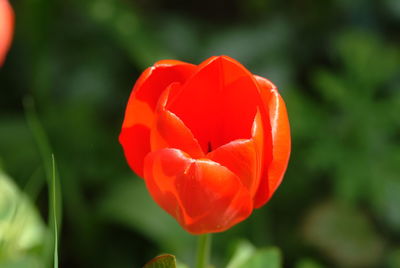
pixel 212 141
pixel 280 130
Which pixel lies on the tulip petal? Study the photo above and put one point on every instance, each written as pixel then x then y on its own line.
pixel 240 157
pixel 139 114
pixel 169 131
pixel 280 141
pixel 6 28
pixel 218 103
pixel 201 194
pixel 247 158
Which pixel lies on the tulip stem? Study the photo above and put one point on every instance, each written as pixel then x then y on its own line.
pixel 203 250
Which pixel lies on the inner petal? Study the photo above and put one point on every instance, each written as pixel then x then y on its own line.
pixel 218 103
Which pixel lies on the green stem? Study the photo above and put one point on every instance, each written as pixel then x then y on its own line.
pixel 203 250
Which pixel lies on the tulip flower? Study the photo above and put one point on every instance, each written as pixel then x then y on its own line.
pixel 6 28
pixel 212 141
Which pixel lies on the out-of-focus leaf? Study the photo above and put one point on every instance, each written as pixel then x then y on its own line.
pixel 243 252
pixel 362 101
pixel 369 63
pixel 14 133
pixel 53 205
pixel 394 258
pixel 393 7
pixel 269 41
pixel 25 261
pixel 308 263
pixel 21 228
pixel 54 194
pixel 247 256
pixel 386 198
pixel 128 202
pixel 264 258
pixel 179 35
pixel 126 27
pixel 162 261
pixel 332 87
pixel 181 265
pixel 343 234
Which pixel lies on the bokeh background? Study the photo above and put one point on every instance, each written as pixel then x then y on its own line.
pixel 66 81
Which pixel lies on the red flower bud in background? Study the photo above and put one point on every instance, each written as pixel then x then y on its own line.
pixel 6 28
pixel 212 141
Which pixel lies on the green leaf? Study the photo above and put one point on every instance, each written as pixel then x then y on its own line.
pixel 242 253
pixel 332 87
pixel 129 203
pixel 368 61
pixel 24 261
pixel 53 204
pixel 247 256
pixel 162 261
pixel 344 234
pixel 54 193
pixel 21 228
pixel 14 133
pixel 181 265
pixel 385 198
pixel 308 263
pixel 264 258
pixel 124 25
pixel 394 258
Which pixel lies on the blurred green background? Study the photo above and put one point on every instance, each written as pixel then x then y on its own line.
pixel 72 66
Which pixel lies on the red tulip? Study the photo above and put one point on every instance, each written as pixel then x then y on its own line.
pixel 212 141
pixel 6 28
